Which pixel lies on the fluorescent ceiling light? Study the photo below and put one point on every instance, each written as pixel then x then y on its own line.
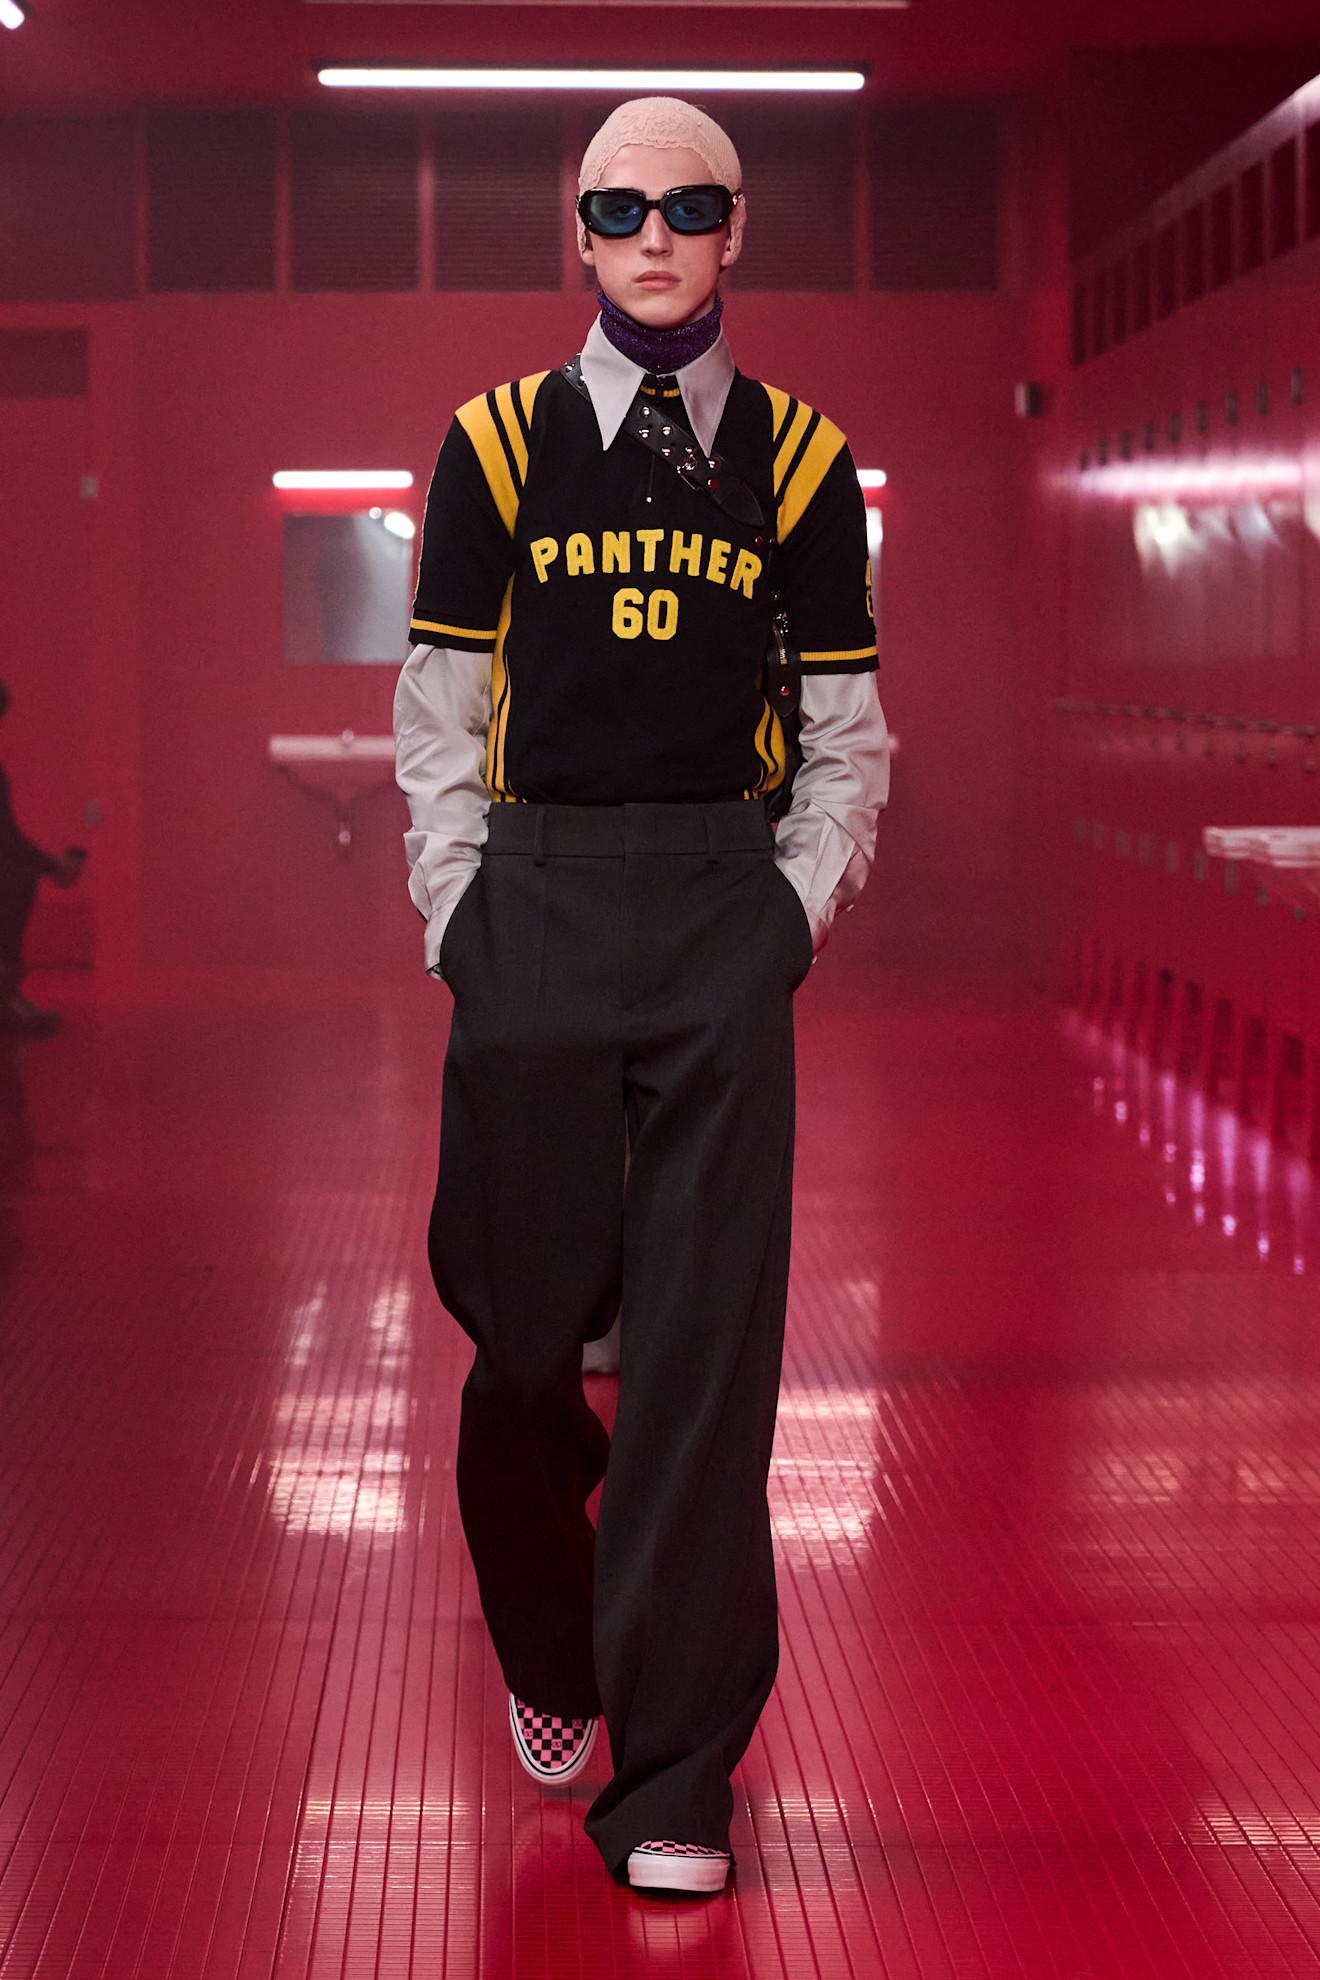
pixel 343 478
pixel 11 14
pixel 612 79
pixel 873 477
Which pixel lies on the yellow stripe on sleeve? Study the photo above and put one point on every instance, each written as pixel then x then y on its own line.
pixel 779 405
pixel 513 431
pixel 499 697
pixel 455 632
pixel 789 445
pixel 478 422
pixel 807 476
pixel 849 653
pixel 527 390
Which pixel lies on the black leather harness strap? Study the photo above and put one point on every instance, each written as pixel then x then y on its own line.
pixel 711 476
pixel 670 439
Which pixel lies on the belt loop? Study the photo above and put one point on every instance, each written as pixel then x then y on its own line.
pixel 538 837
pixel 712 857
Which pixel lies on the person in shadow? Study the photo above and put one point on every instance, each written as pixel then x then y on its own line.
pixel 22 865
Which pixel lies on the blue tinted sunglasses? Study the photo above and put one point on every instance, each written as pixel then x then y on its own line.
pixel 615 212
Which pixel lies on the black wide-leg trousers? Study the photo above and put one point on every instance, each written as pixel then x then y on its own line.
pixel 618 1125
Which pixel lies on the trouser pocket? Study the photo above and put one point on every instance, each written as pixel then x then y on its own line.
pixel 451 942
pixel 801 943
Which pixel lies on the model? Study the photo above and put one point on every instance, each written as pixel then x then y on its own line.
pixel 590 739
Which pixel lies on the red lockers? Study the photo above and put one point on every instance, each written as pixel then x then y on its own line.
pixel 1191 516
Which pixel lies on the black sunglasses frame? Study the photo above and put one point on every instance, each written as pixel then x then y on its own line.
pixel 657 206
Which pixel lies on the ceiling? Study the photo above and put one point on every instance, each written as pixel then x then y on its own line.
pixel 78 53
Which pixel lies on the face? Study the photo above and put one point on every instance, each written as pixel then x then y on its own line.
pixel 662 278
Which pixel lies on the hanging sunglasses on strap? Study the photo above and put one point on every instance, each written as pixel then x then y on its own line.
pixel 712 477
pixel 615 212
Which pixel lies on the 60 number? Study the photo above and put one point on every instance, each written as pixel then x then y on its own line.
pixel 660 616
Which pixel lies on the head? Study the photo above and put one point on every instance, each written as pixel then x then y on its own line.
pixel 659 277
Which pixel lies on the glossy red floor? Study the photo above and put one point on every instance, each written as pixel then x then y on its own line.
pixel 1046 1491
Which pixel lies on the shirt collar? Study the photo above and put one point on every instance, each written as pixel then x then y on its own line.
pixel 612 380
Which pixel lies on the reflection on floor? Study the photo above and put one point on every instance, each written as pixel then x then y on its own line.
pixel 1214 1165
pixel 1046 1495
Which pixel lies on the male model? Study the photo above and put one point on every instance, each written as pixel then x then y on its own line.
pixel 589 738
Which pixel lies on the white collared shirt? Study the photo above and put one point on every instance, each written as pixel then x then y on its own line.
pixel 442 710
pixel 612 380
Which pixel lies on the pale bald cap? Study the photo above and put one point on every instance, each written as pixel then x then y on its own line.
pixel 670 125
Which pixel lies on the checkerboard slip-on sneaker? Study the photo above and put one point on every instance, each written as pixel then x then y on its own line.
pixel 676 1866
pixel 550 1748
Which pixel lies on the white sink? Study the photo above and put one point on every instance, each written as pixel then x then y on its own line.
pixel 1284 858
pixel 342 768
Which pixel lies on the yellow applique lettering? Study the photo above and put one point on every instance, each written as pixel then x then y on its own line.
pixel 626 618
pixel 719 558
pixel 615 551
pixel 691 556
pixel 648 538
pixel 662 614
pixel 746 571
pixel 544 551
pixel 578 555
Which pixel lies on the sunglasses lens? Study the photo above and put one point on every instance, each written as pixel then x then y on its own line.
pixel 698 209
pixel 614 214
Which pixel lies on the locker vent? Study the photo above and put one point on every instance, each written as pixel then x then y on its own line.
pixel 353 193
pixel 497 199
pixel 211 201
pixel 798 172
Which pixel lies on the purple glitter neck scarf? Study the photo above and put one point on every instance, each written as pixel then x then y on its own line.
pixel 659 351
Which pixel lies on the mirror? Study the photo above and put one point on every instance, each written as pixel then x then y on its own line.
pixel 348 584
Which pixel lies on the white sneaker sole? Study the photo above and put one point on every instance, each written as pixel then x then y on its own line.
pixel 695 1876
pixel 552 1776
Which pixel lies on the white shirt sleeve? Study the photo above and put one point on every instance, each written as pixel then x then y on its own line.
pixel 826 841
pixel 441 715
